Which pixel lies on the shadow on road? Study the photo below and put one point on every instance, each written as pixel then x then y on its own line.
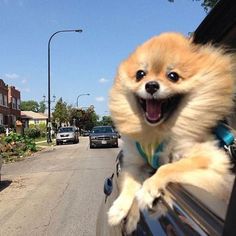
pixel 4 184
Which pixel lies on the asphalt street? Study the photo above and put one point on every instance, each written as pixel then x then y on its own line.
pixel 55 192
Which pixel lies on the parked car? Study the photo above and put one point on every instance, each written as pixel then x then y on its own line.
pixel 67 134
pixel 194 211
pixel 102 136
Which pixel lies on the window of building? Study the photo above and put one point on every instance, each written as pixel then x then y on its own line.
pixel 14 103
pixel 5 100
pixel 1 119
pixel 1 99
pixel 18 104
pixel 36 122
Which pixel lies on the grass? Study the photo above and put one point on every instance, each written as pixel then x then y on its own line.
pixel 40 139
pixel 45 144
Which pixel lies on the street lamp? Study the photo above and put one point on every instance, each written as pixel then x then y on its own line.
pixel 83 94
pixel 49 140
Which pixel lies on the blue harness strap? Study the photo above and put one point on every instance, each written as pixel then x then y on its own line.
pixel 223 134
pixel 153 161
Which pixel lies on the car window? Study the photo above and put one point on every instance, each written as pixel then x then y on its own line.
pixel 65 130
pixel 102 130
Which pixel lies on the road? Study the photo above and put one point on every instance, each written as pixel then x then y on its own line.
pixel 55 192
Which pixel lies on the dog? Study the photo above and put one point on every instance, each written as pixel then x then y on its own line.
pixel 167 96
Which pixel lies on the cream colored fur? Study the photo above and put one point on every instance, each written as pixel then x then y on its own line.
pixel 208 86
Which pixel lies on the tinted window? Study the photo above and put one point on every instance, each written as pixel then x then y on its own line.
pixel 97 130
pixel 65 130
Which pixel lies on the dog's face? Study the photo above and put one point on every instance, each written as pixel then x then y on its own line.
pixel 169 81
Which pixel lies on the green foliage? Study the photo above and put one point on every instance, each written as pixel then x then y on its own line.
pixel 32 132
pixel 22 142
pixel 60 114
pixel 2 129
pixel 42 107
pixel 13 137
pixel 34 106
pixel 29 106
pixel 84 119
pixel 41 128
pixel 106 120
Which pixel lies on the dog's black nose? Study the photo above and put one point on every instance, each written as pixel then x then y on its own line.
pixel 151 87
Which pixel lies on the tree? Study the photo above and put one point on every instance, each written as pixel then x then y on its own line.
pixel 60 114
pixel 106 120
pixel 42 107
pixel 206 4
pixel 84 119
pixel 29 106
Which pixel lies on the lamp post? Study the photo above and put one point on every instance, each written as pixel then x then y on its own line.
pixel 49 126
pixel 83 94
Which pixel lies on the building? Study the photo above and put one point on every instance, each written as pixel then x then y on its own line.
pixel 9 105
pixel 4 109
pixel 14 105
pixel 33 118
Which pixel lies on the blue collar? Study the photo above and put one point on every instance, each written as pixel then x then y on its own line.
pixel 152 160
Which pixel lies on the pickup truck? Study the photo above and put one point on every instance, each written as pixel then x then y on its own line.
pixel 194 211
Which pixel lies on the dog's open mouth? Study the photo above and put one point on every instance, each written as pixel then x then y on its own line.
pixel 157 110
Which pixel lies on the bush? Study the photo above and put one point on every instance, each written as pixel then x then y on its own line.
pixel 17 145
pixel 32 133
pixel 2 129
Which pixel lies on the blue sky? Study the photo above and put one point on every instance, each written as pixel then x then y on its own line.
pixel 81 62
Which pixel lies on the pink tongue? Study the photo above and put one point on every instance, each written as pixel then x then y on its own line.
pixel 153 109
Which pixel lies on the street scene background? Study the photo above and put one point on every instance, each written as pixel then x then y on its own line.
pixel 57 191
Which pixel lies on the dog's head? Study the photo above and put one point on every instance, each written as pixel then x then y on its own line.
pixel 169 83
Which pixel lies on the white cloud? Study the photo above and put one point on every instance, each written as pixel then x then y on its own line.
pixel 24 81
pixel 100 99
pixel 11 76
pixel 103 80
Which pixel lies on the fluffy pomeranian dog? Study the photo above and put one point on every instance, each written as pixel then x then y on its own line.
pixel 167 97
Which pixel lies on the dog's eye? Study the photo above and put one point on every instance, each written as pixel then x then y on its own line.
pixel 173 76
pixel 140 74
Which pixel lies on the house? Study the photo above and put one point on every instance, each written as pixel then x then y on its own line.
pixel 33 118
pixel 14 105
pixel 9 105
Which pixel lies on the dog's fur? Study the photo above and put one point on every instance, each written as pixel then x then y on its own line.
pixel 206 87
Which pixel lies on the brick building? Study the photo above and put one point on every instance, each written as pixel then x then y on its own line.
pixel 9 104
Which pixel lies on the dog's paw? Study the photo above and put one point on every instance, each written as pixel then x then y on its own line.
pixel 117 212
pixel 148 194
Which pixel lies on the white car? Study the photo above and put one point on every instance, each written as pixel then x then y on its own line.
pixel 67 134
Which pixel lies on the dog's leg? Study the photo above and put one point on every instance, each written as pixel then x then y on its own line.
pixel 204 168
pixel 123 203
pixel 132 218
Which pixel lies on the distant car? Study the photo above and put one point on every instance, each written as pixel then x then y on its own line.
pixel 67 134
pixel 102 136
